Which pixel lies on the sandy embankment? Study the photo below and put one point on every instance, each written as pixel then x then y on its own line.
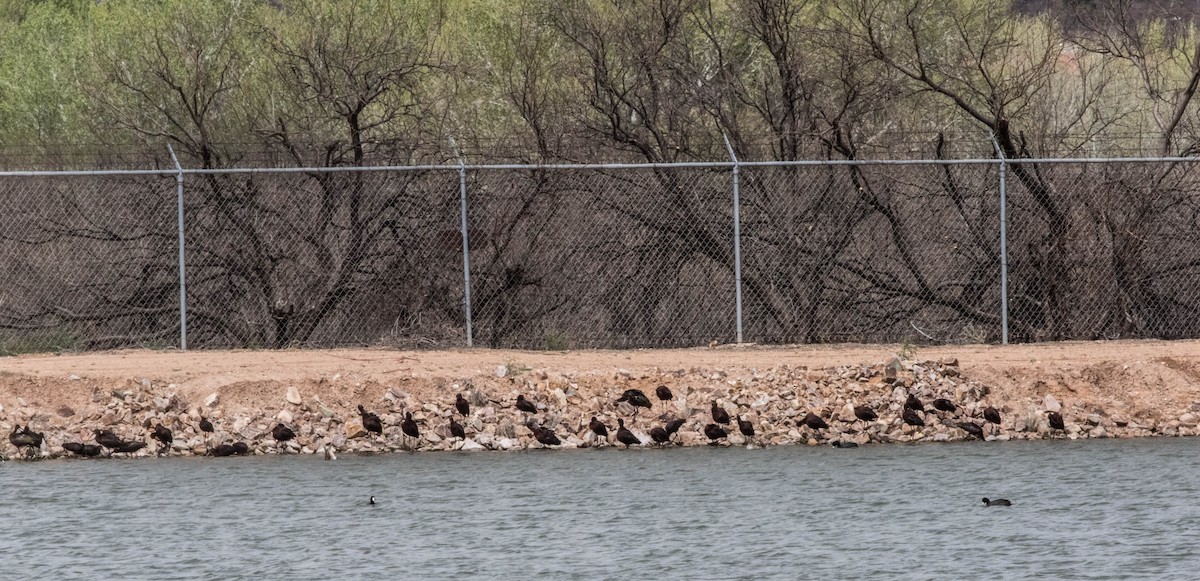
pixel 1106 389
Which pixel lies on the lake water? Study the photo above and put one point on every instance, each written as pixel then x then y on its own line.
pixel 1108 509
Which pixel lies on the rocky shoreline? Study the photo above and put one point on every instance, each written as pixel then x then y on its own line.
pixel 774 401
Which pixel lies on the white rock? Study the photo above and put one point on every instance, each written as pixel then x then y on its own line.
pixel 501 370
pixel 211 400
pixel 293 395
pixel 73 377
pixel 284 416
pixel 471 445
pixel 1187 418
pixel 1051 404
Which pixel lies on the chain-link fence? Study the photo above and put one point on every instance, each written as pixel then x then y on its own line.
pixel 571 256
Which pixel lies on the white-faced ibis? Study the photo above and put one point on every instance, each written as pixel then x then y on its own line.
pixel 370 421
pixel 997 502
pixel 1056 421
pixel 911 417
pixel 461 404
pixel 674 425
pixel 282 433
pixel 222 450
pixel 944 405
pixel 545 436
pixel 991 414
pixel 25 438
pixel 664 394
pixel 526 405
pixel 241 448
pixel 865 413
pixel 80 449
pixel 814 422
pixel 913 403
pixel 205 425
pixel 457 430
pixel 714 432
pixel 745 427
pixel 635 398
pixel 164 437
pixel 108 439
pixel 659 435
pixel 597 427
pixel 625 436
pixel 409 426
pixel 131 447
pixel 972 428
pixel 719 414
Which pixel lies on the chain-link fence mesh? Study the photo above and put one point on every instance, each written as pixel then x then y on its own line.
pixel 603 256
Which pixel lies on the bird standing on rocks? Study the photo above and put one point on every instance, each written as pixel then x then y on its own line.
pixel 457 430
pixel 635 398
pixel 108 439
pixel 714 432
pixel 1056 421
pixel 913 403
pixel 461 404
pixel 944 405
pixel 370 421
pixel 719 414
pixel 164 437
pixel 972 428
pixel 80 449
pixel 625 436
pixel 991 414
pixel 997 502
pixel 281 434
pixel 545 436
pixel 659 435
pixel 814 422
pixel 409 427
pixel 664 395
pixel 673 426
pixel 865 413
pixel 526 405
pixel 205 425
pixel 130 447
pixel 25 438
pixel 241 448
pixel 911 417
pixel 745 427
pixel 222 450
pixel 597 427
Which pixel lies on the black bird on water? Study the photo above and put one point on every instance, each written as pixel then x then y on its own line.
pixel 841 444
pixel 991 414
pixel 461 404
pixel 457 430
pixel 545 436
pixel 80 449
pixel 164 437
pixel 814 422
pixel 910 417
pixel 997 502
pixel 525 405
pixel 409 426
pixel 945 405
pixel 625 436
pixel 205 425
pixel 719 414
pixel 972 428
pixel 372 501
pixel 659 435
pixel 241 448
pixel 912 403
pixel 222 451
pixel 597 427
pixel 635 398
pixel 282 433
pixel 745 427
pixel 714 432
pixel 370 421
pixel 664 394
pixel 1056 421
pixel 865 413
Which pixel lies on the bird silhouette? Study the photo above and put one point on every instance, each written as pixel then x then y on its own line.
pixel 1056 421
pixel 865 413
pixel 673 426
pixel 997 502
pixel 625 436
pixel 913 403
pixel 664 395
pixel 719 414
pixel 714 432
pixel 525 405
pixel 25 438
pixel 281 434
pixel 597 427
pixel 545 436
pixel 108 439
pixel 991 414
pixel 972 428
pixel 457 430
pixel 80 449
pixel 205 425
pixel 222 450
pixel 164 437
pixel 409 427
pixel 241 448
pixel 635 398
pixel 131 447
pixel 745 427
pixel 944 405
pixel 659 435
pixel 370 421
pixel 910 417
pixel 461 404
pixel 814 422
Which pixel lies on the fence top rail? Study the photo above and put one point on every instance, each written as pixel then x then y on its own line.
pixel 455 167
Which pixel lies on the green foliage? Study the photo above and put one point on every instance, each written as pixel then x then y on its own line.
pixel 36 341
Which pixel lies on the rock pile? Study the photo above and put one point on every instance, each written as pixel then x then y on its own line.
pixel 775 401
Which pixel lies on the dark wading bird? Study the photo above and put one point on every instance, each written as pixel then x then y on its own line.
pixel 714 432
pixel 80 449
pixel 370 421
pixel 1056 421
pixel 745 427
pixel 664 395
pixel 865 413
pixel 660 435
pixel 526 405
pixel 972 428
pixel 719 414
pixel 673 426
pixel 910 417
pixel 282 433
pixel 991 414
pixel 814 422
pixel 545 436
pixel 597 427
pixel 625 436
pixel 241 448
pixel 222 450
pixel 461 404
pixel 635 398
pixel 944 405
pixel 131 447
pixel 25 438
pixel 164 437
pixel 205 425
pixel 409 427
pixel 457 430
pixel 912 403
pixel 997 502
pixel 108 439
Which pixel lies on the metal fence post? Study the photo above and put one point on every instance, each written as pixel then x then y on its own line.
pixel 737 235
pixel 1003 243
pixel 182 262
pixel 466 246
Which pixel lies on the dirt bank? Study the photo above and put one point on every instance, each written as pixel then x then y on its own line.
pixel 1131 388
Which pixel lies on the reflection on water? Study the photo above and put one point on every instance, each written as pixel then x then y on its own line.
pixel 1098 509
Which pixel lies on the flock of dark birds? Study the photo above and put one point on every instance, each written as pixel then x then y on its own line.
pixel 716 431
